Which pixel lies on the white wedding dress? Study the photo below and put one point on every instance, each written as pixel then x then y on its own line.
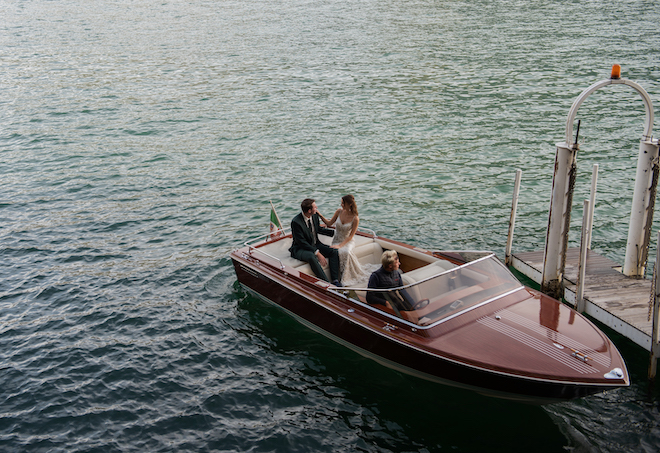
pixel 350 270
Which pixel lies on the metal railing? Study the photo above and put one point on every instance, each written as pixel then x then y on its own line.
pixel 263 238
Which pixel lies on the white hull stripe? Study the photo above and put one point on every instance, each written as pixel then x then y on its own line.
pixel 542 347
pixel 558 337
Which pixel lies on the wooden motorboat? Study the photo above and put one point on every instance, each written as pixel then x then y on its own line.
pixel 474 324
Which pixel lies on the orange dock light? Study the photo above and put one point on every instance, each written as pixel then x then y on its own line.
pixel 616 71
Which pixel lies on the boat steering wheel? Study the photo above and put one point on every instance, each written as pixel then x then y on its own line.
pixel 420 304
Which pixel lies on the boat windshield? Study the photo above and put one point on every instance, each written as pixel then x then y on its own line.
pixel 449 293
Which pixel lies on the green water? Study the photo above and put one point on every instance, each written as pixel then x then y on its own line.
pixel 140 143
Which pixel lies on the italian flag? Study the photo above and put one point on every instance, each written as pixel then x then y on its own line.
pixel 276 229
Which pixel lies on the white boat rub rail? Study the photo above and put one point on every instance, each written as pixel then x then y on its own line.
pixel 464 252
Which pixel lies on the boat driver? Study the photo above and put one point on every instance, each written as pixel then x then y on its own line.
pixel 389 276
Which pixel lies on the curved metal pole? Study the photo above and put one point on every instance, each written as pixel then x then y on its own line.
pixel 562 192
pixel 648 125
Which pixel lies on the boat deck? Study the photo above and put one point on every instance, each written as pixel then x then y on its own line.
pixel 618 301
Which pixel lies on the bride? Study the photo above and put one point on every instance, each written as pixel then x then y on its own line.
pixel 346 221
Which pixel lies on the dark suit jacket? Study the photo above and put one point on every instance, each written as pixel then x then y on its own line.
pixel 302 236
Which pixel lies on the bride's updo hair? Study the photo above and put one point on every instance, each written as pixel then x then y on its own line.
pixel 349 203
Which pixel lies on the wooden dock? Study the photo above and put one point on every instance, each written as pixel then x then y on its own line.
pixel 617 301
pixel 625 303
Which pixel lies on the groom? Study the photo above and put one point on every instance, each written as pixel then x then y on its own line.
pixel 306 246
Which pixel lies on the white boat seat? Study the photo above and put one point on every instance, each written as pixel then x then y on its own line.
pixel 429 270
pixel 280 250
pixel 423 273
pixel 367 253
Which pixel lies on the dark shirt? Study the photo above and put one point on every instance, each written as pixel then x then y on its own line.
pixel 383 279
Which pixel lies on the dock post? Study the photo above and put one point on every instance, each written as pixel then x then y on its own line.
pixel 556 242
pixel 641 215
pixel 655 331
pixel 582 264
pixel 592 203
pixel 512 218
pixel 585 242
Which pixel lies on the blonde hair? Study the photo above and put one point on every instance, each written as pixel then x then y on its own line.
pixel 388 258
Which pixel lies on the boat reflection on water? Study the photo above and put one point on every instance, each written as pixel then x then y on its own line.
pixel 472 324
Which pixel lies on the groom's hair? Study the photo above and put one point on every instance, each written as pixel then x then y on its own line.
pixel 306 204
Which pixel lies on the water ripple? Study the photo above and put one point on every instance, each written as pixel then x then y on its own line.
pixel 141 143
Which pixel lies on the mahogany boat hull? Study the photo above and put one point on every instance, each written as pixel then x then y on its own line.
pixel 341 320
